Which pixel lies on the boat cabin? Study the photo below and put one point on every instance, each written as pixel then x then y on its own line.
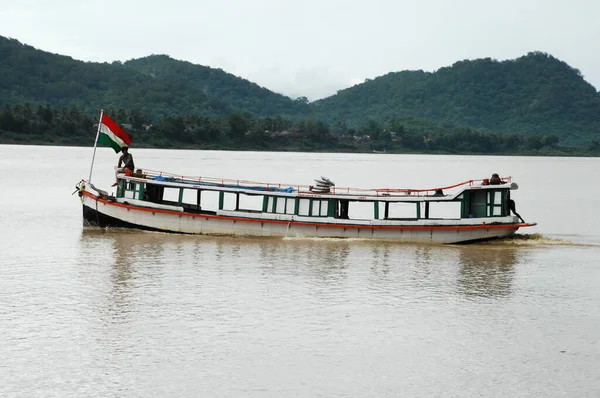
pixel 466 201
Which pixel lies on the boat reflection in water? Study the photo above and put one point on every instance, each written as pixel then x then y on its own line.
pixel 137 260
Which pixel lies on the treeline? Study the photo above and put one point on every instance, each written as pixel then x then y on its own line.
pixel 43 124
pixel 424 137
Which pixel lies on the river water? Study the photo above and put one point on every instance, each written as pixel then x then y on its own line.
pixel 101 313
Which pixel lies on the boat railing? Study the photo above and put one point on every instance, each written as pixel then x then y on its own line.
pixel 344 191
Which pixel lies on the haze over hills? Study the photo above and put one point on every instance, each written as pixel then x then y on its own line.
pixel 239 93
pixel 156 85
pixel 534 94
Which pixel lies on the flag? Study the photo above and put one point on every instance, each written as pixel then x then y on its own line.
pixel 110 134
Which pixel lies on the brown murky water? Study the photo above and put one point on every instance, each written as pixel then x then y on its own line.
pixel 89 312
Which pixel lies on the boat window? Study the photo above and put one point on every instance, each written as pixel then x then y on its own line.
pixel 229 201
pixel 209 200
pixel 290 206
pixel 488 203
pixel 251 202
pixel 477 204
pixel 324 208
pixel 309 207
pixel 495 204
pixel 271 205
pixel 497 197
pixel 401 210
pixel 319 208
pixel 171 195
pixel 316 206
pixel 304 207
pixel 447 210
pixel 379 210
pixel 153 193
pixel 280 206
pixel 190 196
pixel 133 190
pixel 361 210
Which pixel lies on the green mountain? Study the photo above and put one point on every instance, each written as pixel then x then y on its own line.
pixel 156 85
pixel 534 94
pixel 239 93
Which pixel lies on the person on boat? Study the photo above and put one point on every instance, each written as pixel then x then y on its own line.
pixel 512 207
pixel 126 161
pixel 495 180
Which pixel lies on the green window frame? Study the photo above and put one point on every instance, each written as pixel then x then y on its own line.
pixel 495 203
pixel 484 203
pixel 136 188
pixel 291 206
pixel 321 208
pixel 280 205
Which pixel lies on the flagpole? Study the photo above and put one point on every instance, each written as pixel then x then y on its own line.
pixel 95 145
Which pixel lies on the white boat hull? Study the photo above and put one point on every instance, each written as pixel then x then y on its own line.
pixel 105 213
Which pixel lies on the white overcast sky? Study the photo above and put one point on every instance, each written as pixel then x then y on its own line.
pixel 310 48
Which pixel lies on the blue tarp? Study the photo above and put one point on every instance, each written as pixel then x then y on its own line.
pixel 162 178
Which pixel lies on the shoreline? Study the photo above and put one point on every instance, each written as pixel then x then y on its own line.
pixel 569 152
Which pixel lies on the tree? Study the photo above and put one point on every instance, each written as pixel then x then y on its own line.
pixel 533 142
pixel 549 141
pixel 315 130
pixel 239 125
pixel 372 128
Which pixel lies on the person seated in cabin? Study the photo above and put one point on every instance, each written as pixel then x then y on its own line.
pixel 126 161
pixel 438 192
pixel 496 180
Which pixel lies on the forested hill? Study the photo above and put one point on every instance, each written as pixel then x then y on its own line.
pixel 155 85
pixel 536 93
pixel 239 93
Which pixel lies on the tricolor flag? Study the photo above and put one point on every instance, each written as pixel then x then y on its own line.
pixel 110 134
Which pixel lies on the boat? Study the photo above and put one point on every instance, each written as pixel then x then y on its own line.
pixel 161 201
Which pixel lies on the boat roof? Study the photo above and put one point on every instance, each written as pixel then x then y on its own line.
pixel 445 193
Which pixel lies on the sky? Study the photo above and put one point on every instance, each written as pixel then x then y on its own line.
pixel 311 48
